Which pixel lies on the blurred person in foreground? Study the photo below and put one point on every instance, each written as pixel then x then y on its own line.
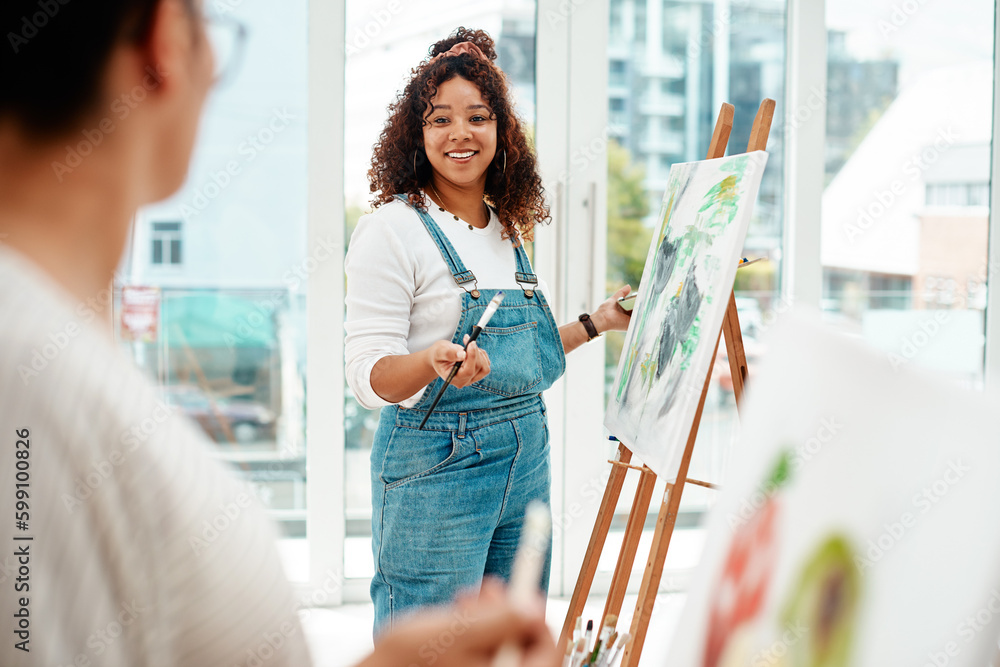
pixel 104 493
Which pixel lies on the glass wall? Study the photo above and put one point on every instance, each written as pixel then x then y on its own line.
pixel 671 65
pixel 213 305
pixel 906 207
pixel 384 42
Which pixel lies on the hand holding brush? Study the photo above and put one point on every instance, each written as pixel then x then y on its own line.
pixel 491 309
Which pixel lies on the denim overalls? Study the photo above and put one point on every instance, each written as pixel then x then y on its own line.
pixel 448 501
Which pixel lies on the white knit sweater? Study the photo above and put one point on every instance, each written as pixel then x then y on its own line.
pixel 401 296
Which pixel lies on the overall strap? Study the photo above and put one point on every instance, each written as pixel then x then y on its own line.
pixel 524 276
pixel 461 274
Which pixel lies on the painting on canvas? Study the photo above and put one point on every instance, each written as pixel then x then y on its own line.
pixel 857 527
pixel 686 282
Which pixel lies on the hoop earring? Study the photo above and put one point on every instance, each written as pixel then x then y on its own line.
pixel 504 169
pixel 415 162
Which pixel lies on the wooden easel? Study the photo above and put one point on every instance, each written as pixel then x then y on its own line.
pixel 672 497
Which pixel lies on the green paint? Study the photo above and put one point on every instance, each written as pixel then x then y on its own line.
pixel 826 599
pixel 725 193
pixel 648 370
pixel 719 208
pixel 691 344
pixel 781 472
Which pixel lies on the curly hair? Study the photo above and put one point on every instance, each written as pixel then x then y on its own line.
pixel 400 164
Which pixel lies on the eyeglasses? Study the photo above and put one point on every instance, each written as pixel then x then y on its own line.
pixel 227 37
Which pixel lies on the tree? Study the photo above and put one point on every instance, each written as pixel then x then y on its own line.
pixel 628 237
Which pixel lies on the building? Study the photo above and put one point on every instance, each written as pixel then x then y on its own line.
pixel 905 220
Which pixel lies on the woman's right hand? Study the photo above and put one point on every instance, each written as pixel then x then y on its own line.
pixel 468 634
pixel 475 362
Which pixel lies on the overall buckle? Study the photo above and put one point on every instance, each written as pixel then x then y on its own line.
pixel 523 279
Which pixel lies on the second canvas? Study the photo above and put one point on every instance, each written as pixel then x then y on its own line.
pixel 682 301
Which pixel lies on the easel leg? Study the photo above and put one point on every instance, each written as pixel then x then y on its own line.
pixel 669 507
pixel 630 543
pixel 734 346
pixel 665 522
pixel 593 555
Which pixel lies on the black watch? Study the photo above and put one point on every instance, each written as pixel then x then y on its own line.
pixel 588 324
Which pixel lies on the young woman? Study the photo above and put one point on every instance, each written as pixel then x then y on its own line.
pixel 122 549
pixel 456 190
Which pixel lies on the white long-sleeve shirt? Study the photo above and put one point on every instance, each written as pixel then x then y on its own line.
pixel 401 296
pixel 144 551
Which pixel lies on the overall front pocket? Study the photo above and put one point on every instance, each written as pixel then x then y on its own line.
pixel 515 360
pixel 411 453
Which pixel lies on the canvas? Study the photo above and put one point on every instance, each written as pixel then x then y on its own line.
pixel 859 524
pixel 686 282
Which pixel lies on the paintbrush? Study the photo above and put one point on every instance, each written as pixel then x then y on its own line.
pixel 602 639
pixel 476 330
pixel 526 572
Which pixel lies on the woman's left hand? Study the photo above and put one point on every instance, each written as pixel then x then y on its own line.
pixel 609 316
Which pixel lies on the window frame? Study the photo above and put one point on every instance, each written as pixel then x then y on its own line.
pixel 992 345
pixel 325 506
pixel 572 71
pixel 168 236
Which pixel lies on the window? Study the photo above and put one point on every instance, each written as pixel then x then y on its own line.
pixel 905 213
pixel 705 54
pixel 375 73
pixel 958 194
pixel 166 243
pixel 890 292
pixel 617 73
pixel 639 28
pixel 230 350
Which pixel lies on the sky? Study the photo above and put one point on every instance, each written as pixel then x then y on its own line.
pixel 922 34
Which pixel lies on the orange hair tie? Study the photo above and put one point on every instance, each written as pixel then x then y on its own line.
pixel 460 48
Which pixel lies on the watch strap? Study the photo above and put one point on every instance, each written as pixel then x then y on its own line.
pixel 588 324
